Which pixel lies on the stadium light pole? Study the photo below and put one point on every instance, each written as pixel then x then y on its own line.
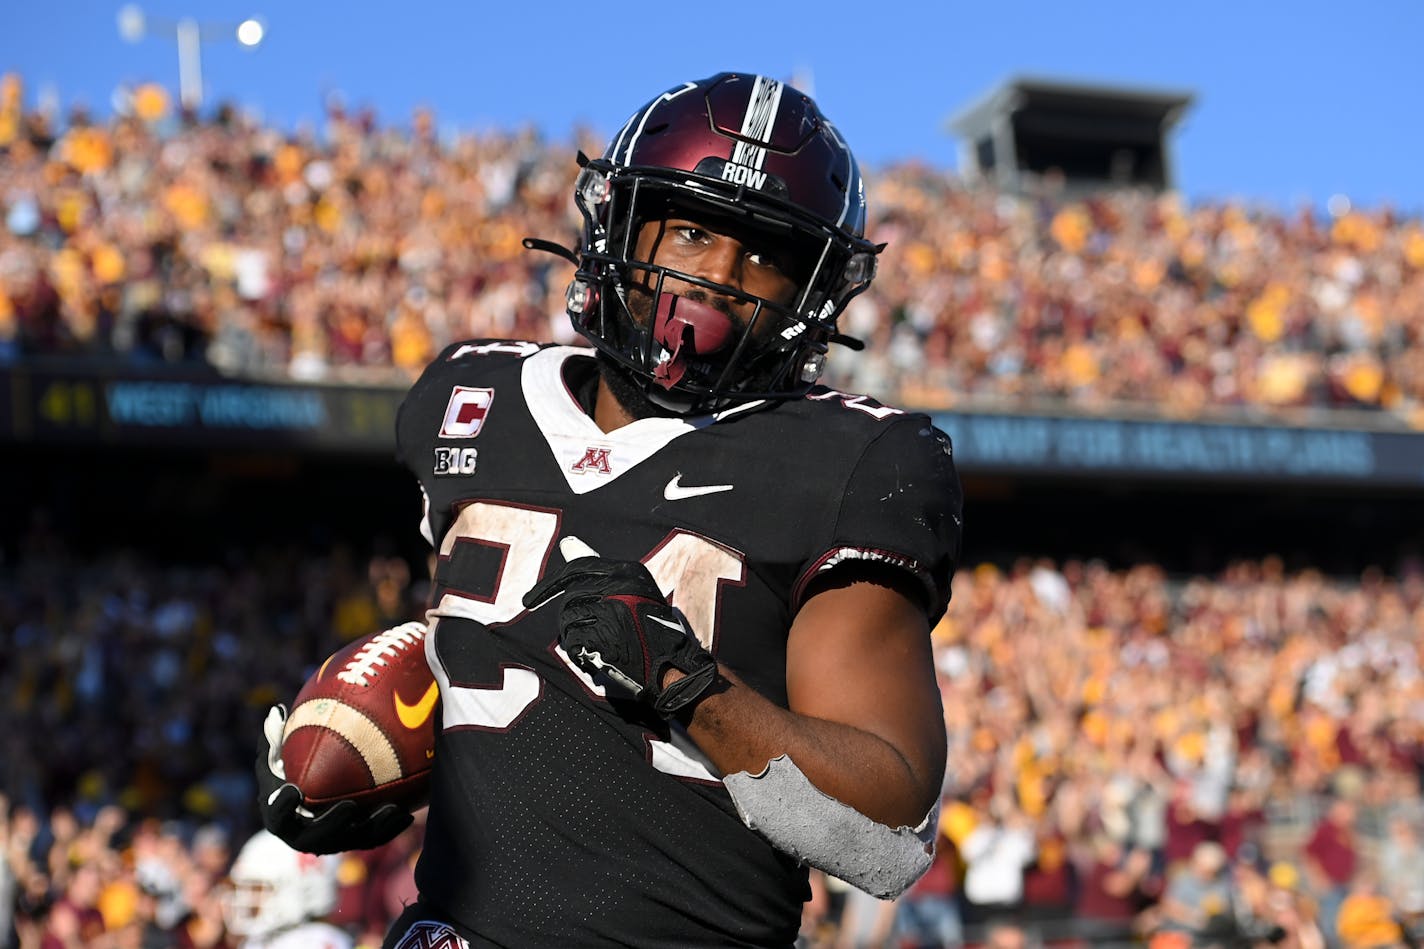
pixel 135 24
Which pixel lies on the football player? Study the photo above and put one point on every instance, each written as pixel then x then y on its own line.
pixel 681 609
pixel 278 898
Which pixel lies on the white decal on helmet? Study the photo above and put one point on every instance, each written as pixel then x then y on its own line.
pixel 741 174
pixel 758 123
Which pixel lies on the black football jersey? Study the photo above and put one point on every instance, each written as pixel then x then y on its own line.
pixel 562 813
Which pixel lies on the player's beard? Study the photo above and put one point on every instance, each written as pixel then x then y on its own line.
pixel 642 398
pixel 630 390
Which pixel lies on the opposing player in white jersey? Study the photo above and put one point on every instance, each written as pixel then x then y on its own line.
pixel 280 897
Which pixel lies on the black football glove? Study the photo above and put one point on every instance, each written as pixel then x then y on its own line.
pixel 345 825
pixel 613 619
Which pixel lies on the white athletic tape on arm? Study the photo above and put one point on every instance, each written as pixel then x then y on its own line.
pixel 798 818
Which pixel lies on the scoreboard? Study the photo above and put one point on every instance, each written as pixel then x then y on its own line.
pixel 136 408
pixel 58 406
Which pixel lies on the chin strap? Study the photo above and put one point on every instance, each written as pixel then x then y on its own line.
pixel 549 247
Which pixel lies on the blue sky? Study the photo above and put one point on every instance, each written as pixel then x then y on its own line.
pixel 1294 101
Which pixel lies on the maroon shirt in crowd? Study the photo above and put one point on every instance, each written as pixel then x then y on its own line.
pixel 1095 901
pixel 1333 848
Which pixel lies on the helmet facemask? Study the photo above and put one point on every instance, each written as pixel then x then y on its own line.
pixel 690 353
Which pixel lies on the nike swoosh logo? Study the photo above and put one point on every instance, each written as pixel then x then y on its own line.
pixel 662 622
pixel 415 716
pixel 676 492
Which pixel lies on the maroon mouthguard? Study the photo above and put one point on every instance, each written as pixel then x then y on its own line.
pixel 686 328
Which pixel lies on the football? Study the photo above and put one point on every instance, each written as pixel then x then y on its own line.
pixel 363 726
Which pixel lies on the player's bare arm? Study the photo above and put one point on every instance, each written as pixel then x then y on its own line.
pixel 865 723
pixel 862 713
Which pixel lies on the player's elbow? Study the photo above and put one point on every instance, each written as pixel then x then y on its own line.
pixel 905 799
pixel 877 856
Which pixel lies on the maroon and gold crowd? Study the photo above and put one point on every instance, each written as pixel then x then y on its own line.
pixel 114 880
pixel 1180 760
pixel 360 249
pixel 1107 728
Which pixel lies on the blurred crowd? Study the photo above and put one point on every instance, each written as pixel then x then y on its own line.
pixel 1193 760
pixel 131 696
pixel 1132 755
pixel 357 250
pixel 1232 759
pixel 119 881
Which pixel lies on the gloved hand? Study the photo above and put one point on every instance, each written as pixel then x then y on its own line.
pixel 615 620
pixel 345 825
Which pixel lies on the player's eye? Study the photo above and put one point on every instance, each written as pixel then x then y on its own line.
pixel 691 234
pixel 766 258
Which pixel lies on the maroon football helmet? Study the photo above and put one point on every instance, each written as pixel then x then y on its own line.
pixel 752 153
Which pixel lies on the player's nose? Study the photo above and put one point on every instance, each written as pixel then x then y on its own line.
pixel 721 263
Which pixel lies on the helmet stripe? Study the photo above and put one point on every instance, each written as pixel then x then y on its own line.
pixel 642 121
pixel 852 177
pixel 758 122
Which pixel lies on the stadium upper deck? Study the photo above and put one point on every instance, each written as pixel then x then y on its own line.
pixel 356 253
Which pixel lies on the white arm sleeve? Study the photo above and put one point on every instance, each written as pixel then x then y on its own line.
pixel 798 818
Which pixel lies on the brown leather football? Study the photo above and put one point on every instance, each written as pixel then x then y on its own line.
pixel 363 727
